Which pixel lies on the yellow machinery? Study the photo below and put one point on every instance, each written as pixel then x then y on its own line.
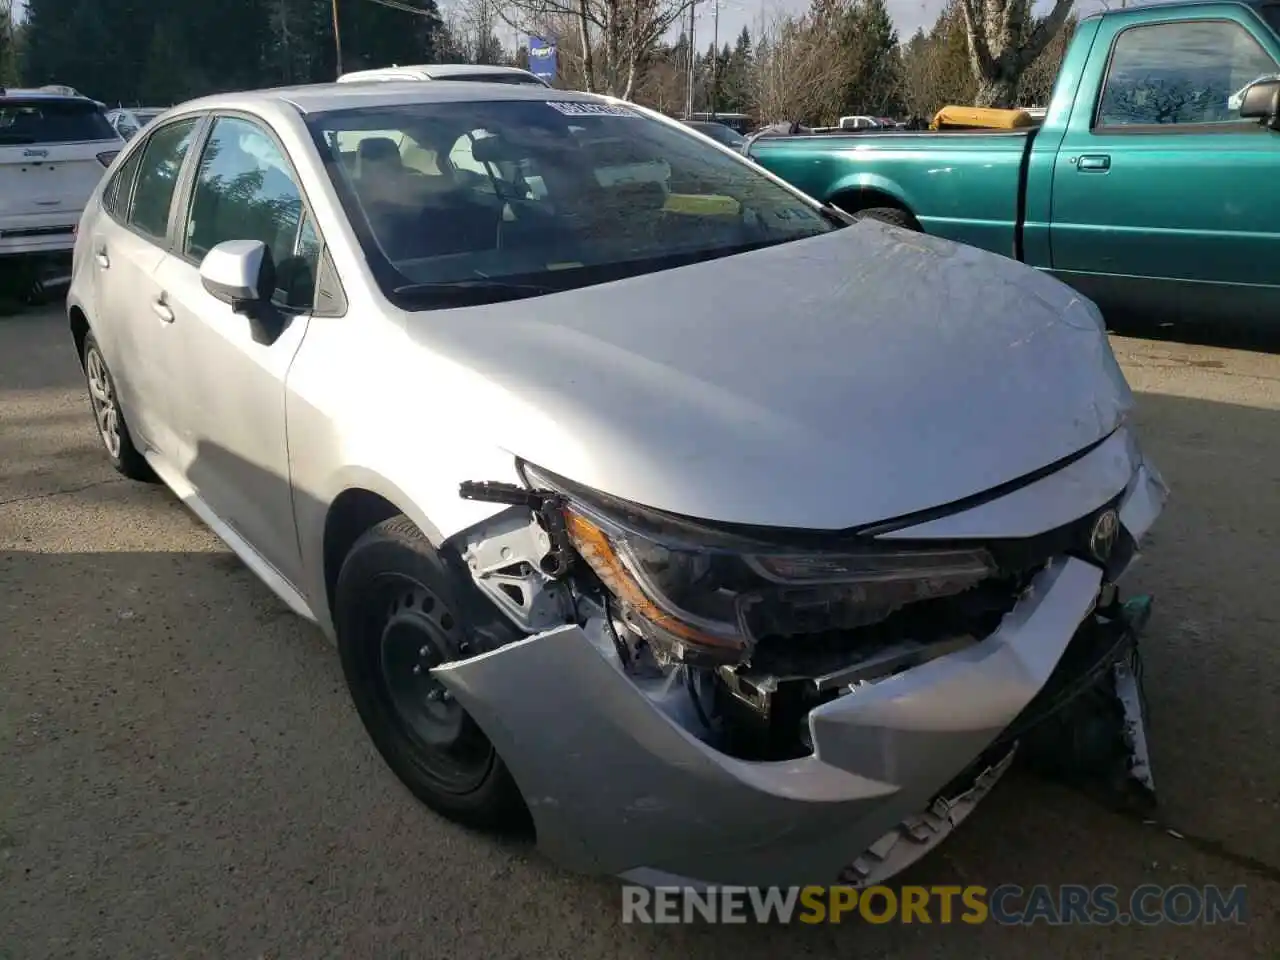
pixel 980 118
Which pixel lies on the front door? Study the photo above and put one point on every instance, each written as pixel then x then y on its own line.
pixel 1164 200
pixel 233 413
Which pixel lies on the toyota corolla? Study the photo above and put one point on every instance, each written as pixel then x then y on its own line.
pixel 718 536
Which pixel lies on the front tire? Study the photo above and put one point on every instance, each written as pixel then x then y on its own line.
pixel 397 614
pixel 113 431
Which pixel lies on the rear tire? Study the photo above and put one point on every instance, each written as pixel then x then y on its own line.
pixel 397 614
pixel 113 430
pixel 894 216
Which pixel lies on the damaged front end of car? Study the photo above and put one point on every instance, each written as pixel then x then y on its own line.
pixel 696 703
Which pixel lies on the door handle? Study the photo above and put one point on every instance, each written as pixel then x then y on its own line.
pixel 161 309
pixel 1094 163
pixel 101 257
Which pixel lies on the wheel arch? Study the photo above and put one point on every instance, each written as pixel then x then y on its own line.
pixel 868 191
pixel 78 321
pixel 353 512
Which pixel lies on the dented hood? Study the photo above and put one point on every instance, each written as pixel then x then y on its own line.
pixel 828 383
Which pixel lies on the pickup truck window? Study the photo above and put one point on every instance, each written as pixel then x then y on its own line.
pixel 1180 73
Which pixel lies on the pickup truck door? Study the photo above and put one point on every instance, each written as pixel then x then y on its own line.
pixel 1164 201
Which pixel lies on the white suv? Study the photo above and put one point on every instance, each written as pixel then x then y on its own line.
pixel 54 148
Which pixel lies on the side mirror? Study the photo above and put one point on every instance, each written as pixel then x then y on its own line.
pixel 1261 102
pixel 242 274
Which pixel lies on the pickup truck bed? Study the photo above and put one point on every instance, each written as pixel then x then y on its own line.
pixel 1151 186
pixel 971 190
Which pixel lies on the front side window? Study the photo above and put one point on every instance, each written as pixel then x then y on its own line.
pixel 158 170
pixel 547 194
pixel 245 190
pixel 1180 73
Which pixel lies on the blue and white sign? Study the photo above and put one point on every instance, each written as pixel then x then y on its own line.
pixel 542 58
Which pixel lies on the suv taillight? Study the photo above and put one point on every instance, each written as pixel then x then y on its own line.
pixel 107 156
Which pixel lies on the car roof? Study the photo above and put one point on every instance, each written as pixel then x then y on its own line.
pixel 1176 5
pixel 16 93
pixel 439 70
pixel 322 97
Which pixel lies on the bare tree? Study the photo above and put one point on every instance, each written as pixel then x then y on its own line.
pixel 473 24
pixel 612 41
pixel 935 70
pixel 1004 40
pixel 795 79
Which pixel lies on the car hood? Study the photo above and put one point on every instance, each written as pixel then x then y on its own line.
pixel 847 379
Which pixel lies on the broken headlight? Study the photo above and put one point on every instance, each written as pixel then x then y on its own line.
pixel 698 594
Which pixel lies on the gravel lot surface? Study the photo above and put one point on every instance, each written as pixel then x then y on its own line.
pixel 182 775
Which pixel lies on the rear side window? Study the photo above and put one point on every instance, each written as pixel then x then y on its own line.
pixel 158 171
pixel 1180 73
pixel 115 198
pixel 52 121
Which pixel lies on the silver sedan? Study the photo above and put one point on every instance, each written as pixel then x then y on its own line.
pixel 719 537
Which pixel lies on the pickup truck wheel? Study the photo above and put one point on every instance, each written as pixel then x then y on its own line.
pixel 397 615
pixel 104 401
pixel 891 215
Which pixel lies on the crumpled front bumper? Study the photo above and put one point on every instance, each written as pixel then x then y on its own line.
pixel 617 784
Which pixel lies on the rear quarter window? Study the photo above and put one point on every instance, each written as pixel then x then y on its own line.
pixel 52 121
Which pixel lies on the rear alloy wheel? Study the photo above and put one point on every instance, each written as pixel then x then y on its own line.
pixel 104 400
pixel 397 616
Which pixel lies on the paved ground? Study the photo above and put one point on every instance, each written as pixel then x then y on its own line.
pixel 181 773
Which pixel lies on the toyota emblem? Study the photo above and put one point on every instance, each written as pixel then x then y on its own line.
pixel 1102 539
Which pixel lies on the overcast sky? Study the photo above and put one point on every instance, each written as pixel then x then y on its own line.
pixel 908 15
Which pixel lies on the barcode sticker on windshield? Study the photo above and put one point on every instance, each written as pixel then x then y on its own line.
pixel 576 108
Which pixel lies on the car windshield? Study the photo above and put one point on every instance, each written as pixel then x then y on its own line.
pixel 52 121
pixel 542 196
pixel 1271 13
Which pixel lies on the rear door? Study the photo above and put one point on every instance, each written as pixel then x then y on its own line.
pixel 127 245
pixel 1164 200
pixel 53 152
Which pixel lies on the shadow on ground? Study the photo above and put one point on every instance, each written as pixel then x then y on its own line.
pixel 181 772
pixel 184 773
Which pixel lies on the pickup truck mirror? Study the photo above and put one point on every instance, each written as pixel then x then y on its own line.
pixel 1261 102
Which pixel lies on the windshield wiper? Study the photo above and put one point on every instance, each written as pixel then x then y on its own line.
pixel 838 216
pixel 15 139
pixel 473 290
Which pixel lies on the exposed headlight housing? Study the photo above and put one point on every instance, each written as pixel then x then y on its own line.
pixel 703 595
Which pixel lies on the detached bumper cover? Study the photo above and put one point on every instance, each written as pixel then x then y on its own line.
pixel 616 782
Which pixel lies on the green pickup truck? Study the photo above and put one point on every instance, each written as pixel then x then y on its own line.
pixel 1152 185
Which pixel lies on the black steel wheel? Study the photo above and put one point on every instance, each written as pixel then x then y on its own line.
pixel 398 615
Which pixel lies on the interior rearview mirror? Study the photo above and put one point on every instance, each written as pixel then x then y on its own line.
pixel 1261 102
